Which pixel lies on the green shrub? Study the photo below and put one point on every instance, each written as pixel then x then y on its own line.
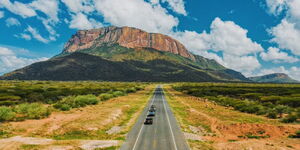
pixel 272 114
pixel 118 93
pixel 105 96
pixel 63 107
pixel 296 135
pixel 290 118
pixel 84 100
pixel 272 99
pixel 75 102
pixel 131 90
pixel 290 101
pixel 280 109
pixel 6 114
pixel 33 110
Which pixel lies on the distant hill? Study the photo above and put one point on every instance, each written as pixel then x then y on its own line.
pixel 274 78
pixel 125 54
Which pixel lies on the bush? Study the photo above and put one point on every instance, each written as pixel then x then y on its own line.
pixel 105 96
pixel 118 93
pixel 6 114
pixel 84 100
pixel 63 107
pixel 70 102
pixel 131 90
pixel 32 111
pixel 272 99
pixel 272 114
pixel 290 118
pixel 296 135
pixel 290 101
pixel 280 109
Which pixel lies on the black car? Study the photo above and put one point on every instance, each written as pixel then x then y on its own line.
pixel 148 121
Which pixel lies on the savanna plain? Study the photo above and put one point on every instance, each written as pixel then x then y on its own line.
pixel 98 115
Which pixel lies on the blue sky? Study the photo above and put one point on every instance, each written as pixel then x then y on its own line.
pixel 254 37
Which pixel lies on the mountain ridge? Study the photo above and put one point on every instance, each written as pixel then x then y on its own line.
pixel 127 37
pixel 274 78
pixel 136 60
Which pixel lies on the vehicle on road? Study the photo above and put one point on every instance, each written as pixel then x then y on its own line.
pixel 148 121
pixel 152 108
pixel 151 114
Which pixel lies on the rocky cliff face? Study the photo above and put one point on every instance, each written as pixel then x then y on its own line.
pixel 127 37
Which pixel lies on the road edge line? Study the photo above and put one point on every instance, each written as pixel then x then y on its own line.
pixel 186 141
pixel 137 139
pixel 163 94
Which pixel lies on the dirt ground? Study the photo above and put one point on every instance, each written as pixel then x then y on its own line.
pixel 223 128
pixel 78 126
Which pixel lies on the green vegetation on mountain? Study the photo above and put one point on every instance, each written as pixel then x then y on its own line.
pixel 117 63
pixel 274 78
pixel 126 54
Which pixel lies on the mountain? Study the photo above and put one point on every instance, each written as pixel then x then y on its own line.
pixel 126 37
pixel 125 54
pixel 274 78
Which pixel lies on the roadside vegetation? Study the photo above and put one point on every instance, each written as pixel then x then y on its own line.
pixel 106 123
pixel 21 100
pixel 208 125
pixel 275 101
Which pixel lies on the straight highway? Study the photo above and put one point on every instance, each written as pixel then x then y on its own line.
pixel 163 134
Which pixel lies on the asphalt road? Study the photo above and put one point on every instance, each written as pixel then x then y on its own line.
pixel 163 134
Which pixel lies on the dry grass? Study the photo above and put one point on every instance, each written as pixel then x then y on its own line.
pixel 225 128
pixel 88 123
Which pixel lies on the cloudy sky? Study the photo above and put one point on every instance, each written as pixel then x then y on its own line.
pixel 254 37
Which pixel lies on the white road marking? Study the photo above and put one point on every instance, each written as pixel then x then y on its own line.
pixel 137 139
pixel 169 120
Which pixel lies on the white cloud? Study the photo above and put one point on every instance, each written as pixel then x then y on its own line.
pixel 294 12
pixel 276 6
pixel 18 8
pixel 244 64
pixel 136 13
pixel 232 39
pixel 80 21
pixel 291 8
pixel 225 36
pixel 286 36
pixel 12 22
pixel 9 61
pixel 48 7
pixel 23 36
pixel 35 34
pixel 238 50
pixel 287 33
pixel 194 41
pixel 154 2
pixel 177 6
pixel 293 72
pixel 5 52
pixel 1 14
pixel 77 6
pixel 275 55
